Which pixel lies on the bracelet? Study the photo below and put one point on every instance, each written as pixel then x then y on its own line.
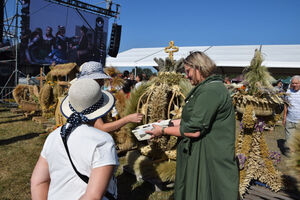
pixel 163 130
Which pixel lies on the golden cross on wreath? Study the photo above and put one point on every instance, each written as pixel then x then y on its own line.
pixel 171 49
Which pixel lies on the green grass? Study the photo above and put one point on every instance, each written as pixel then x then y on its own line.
pixel 21 141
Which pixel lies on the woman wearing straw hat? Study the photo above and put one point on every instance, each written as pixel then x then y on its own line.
pixel 78 160
pixel 94 70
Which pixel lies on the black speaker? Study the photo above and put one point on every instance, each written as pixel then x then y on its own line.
pixel 100 41
pixel 115 38
pixel 25 19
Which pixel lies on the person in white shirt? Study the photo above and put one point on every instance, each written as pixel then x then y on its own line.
pixel 139 81
pixel 291 114
pixel 78 161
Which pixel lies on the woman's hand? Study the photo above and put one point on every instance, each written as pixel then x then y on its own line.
pixel 155 132
pixel 112 126
pixel 135 117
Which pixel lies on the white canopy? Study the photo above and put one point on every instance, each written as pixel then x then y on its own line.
pixel 275 56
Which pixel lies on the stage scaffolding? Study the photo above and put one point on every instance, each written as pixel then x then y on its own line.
pixel 11 31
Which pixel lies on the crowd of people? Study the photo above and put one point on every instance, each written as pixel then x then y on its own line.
pixel 131 82
pixel 291 109
pixel 79 159
pixel 48 48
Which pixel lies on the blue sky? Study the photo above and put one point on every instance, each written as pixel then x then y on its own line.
pixel 215 22
pixel 196 22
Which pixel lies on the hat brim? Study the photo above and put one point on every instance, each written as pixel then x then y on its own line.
pixel 108 103
pixel 95 76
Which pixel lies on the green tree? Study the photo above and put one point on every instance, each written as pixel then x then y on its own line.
pixel 140 70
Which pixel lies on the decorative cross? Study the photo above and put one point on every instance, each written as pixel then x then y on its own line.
pixel 171 49
pixel 41 78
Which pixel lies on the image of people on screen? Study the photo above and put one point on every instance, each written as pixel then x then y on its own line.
pixel 59 49
pixel 49 40
pixel 35 52
pixel 68 35
pixel 59 54
pixel 82 48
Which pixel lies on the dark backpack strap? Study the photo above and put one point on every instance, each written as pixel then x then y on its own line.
pixel 85 178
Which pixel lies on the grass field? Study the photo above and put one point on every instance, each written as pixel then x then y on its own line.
pixel 21 141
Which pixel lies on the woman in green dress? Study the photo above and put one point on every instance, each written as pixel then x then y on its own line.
pixel 206 166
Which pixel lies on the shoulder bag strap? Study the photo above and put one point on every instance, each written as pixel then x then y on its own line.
pixel 85 178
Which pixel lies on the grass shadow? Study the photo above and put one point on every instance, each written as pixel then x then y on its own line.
pixel 125 182
pixel 129 188
pixel 4 110
pixel 143 191
pixel 19 138
pixel 12 116
pixel 16 120
pixel 281 144
pixel 290 185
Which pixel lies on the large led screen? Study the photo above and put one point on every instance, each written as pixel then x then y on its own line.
pixel 62 34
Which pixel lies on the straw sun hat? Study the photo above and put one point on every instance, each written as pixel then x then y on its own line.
pixel 86 97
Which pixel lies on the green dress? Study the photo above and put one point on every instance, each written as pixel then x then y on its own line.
pixel 206 167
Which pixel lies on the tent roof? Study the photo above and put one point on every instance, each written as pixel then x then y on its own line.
pixel 275 56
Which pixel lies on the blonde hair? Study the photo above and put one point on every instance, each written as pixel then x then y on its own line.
pixel 199 60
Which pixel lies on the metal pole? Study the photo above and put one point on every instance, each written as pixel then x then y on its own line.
pixel 1 19
pixel 16 43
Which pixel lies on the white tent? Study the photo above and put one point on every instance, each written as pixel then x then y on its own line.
pixel 225 57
